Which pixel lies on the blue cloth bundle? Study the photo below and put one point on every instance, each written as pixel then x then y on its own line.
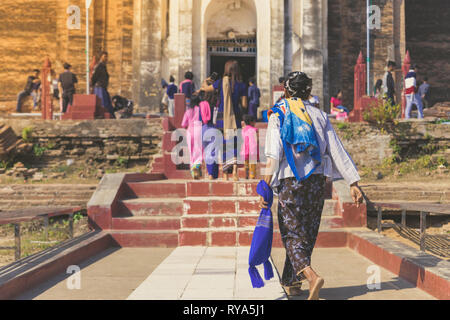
pixel 297 131
pixel 262 239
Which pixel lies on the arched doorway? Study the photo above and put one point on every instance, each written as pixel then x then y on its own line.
pixel 231 33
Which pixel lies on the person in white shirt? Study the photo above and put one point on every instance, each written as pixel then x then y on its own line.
pixel 298 177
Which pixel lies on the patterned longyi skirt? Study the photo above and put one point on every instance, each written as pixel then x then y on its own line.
pixel 300 206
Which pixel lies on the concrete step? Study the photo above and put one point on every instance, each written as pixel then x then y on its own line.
pixel 142 207
pixel 221 205
pixel 331 222
pixel 145 239
pixel 329 207
pixel 146 223
pixel 221 237
pixel 217 221
pixel 221 188
pixel 156 189
pixel 335 238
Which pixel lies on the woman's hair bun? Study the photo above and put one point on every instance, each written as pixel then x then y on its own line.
pixel 299 85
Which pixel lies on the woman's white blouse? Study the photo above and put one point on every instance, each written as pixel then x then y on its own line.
pixel 336 162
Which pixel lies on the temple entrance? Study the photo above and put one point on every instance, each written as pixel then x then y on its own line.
pixel 231 34
pixel 243 50
pixel 247 64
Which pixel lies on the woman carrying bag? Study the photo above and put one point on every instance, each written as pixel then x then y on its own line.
pixel 302 149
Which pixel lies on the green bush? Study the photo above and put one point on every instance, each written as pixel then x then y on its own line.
pixel 38 150
pixel 27 134
pixel 342 126
pixel 423 163
pixel 441 161
pixel 383 114
pixel 122 162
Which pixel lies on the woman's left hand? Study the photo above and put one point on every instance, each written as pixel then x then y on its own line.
pixel 356 194
pixel 262 203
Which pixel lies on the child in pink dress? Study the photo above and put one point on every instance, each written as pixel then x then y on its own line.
pixel 249 151
pixel 193 120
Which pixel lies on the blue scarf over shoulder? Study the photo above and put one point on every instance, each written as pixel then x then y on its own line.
pixel 297 133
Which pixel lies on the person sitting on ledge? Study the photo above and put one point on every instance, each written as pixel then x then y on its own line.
pixel 31 88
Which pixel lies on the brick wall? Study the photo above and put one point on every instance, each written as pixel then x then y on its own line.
pixel 347 37
pixel 135 140
pixel 31 30
pixel 428 39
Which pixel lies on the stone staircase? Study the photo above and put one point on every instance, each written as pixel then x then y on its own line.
pixel 170 213
pixel 18 196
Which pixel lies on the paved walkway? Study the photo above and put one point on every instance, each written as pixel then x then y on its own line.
pixel 346 274
pixel 199 273
pixel 111 275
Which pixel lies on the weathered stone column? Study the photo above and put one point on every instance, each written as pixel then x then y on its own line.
pixel 277 45
pixel 264 56
pixel 288 34
pixel 147 54
pixel 313 58
pixel 185 38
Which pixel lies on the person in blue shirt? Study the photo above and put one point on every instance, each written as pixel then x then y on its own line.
pixel 187 87
pixel 172 89
pixel 424 92
pixel 233 97
pixel 254 94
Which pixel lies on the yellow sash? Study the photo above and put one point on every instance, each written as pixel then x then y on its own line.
pixel 298 108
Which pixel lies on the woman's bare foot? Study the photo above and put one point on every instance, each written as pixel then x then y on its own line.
pixel 235 173
pixel 315 287
pixel 293 291
pixel 315 283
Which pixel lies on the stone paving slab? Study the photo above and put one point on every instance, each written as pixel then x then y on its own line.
pixel 111 275
pixel 213 274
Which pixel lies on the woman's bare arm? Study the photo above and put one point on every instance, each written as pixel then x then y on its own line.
pixel 271 167
pixel 244 102
pixel 207 87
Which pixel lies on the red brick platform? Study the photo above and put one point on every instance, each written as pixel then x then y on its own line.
pixel 146 210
